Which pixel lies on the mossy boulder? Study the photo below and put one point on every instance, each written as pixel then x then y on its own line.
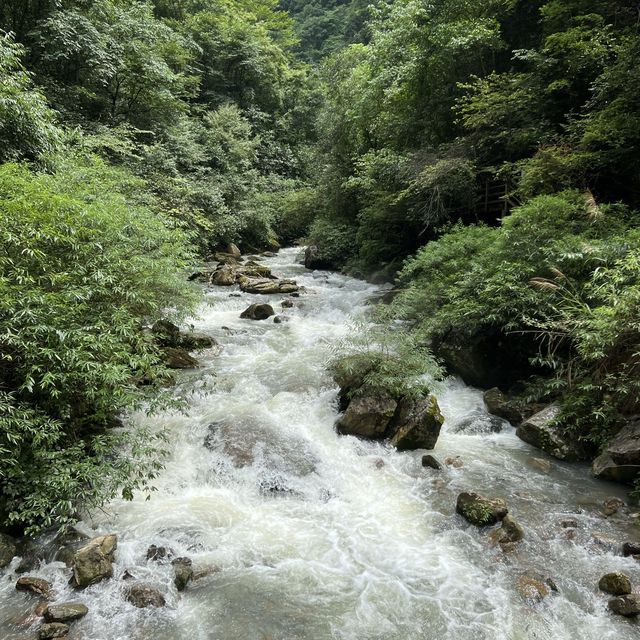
pixel 616 583
pixel 627 605
pixel 417 424
pixel 94 562
pixel 542 431
pixel 479 510
pixel 368 415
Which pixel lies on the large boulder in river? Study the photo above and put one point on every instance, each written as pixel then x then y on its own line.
pixel 7 549
pixel 479 510
pixel 541 431
pixel 368 415
pixel 267 285
pixel 498 404
pixel 616 583
pixel 417 424
pixel 224 276
pixel 313 259
pixel 258 312
pixel 93 562
pixel 620 461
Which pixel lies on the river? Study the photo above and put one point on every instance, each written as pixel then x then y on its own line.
pixel 301 534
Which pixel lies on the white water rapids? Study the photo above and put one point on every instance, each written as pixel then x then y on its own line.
pixel 362 543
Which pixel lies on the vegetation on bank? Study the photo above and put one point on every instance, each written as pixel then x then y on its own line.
pixel 135 138
pixel 486 153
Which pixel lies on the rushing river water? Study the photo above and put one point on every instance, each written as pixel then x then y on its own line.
pixel 301 534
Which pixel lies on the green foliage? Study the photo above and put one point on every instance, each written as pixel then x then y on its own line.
pixel 27 124
pixel 336 240
pixel 386 358
pixel 84 264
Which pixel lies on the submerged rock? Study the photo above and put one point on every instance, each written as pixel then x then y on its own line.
pixel 258 312
pixel 182 572
pixel 627 605
pixel 158 554
pixel 540 431
pixel 534 588
pixel 7 549
pixel 143 595
pixel 93 562
pixel 35 586
pixel 479 510
pixel 616 583
pixel 53 630
pixel 510 532
pixel 66 612
pixel 455 462
pixel 631 549
pixel 620 461
pixel 479 424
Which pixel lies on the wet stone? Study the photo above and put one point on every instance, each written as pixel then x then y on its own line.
pixel 158 554
pixel 51 630
pixel 7 549
pixel 431 462
pixel 616 583
pixel 627 605
pixel 631 549
pixel 35 586
pixel 479 510
pixel 143 595
pixel 183 572
pixel 66 612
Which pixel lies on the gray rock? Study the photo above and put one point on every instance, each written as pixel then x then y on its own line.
pixel 93 562
pixel 479 424
pixel 616 583
pixel 51 630
pixel 35 586
pixel 144 595
pixel 7 549
pixel 183 572
pixel 368 416
pixel 66 612
pixel 431 462
pixel 479 510
pixel 539 431
pixel 417 424
pixel 499 405
pixel 287 304
pixel 194 341
pixel 258 312
pixel 620 461
pixel 627 605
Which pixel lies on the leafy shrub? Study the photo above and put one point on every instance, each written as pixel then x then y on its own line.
pixel 335 240
pixel 84 264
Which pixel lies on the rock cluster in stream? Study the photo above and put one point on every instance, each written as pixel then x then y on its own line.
pixel 91 564
pixel 537 426
pixel 376 414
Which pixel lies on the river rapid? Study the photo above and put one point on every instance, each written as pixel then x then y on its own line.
pixel 300 534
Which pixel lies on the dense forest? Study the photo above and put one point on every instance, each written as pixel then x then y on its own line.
pixel 484 155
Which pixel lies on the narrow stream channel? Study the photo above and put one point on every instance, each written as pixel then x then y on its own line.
pixel 300 534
